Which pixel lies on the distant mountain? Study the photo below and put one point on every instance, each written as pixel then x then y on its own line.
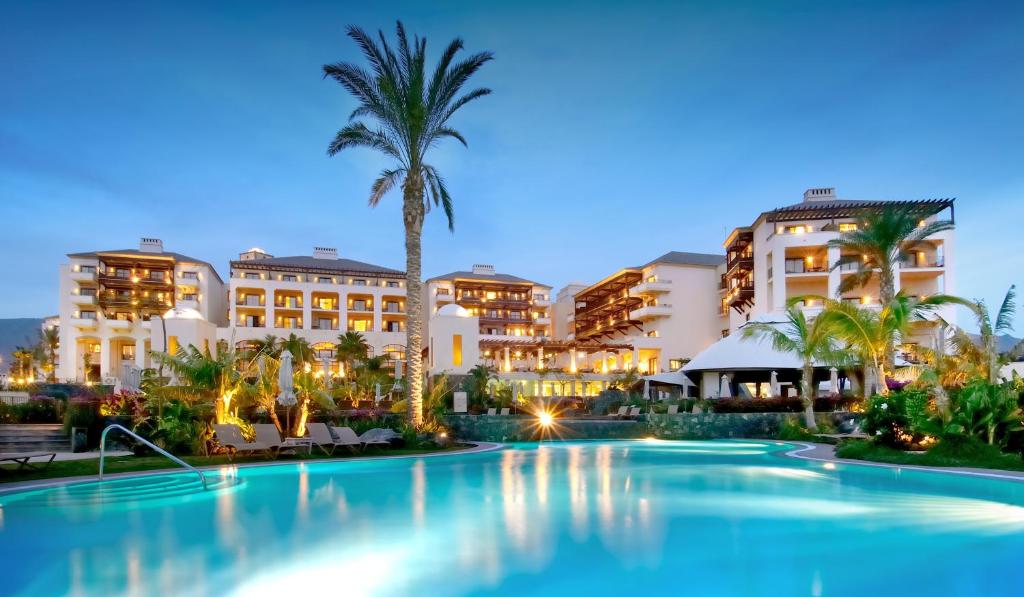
pixel 16 332
pixel 1004 343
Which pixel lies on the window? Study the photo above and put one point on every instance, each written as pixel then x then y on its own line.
pixel 87 292
pixel 87 315
pixel 325 304
pixel 288 302
pixel 392 307
pixel 359 282
pixel 251 300
pixel 122 273
pixel 252 321
pixel 675 364
pixel 252 276
pixel 324 280
pixel 801 229
pixel 122 316
pixel 157 276
pixel 324 323
pixel 87 269
pixel 393 326
pixel 289 278
pixel 189 276
pixel 847 227
pixel 457 350
pixel 127 352
pixel 360 325
pixel 394 284
pixel 189 296
pixel 290 323
pixel 361 305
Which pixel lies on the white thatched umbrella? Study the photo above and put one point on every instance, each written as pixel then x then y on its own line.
pixel 724 391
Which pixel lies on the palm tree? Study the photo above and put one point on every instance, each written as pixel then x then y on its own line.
pixel 810 340
pixel 49 341
pixel 411 109
pixel 476 384
pixel 881 239
pixel 201 375
pixel 263 387
pixel 269 345
pixel 23 358
pixel 300 348
pixel 351 347
pixel 872 333
pixel 984 355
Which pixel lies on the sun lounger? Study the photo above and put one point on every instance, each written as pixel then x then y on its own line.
pixel 22 459
pixel 320 435
pixel 621 413
pixel 230 436
pixel 491 412
pixel 348 436
pixel 634 412
pixel 505 411
pixel 378 437
pixel 673 409
pixel 266 433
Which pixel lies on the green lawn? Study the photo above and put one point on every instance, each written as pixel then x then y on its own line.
pixel 945 454
pixel 133 464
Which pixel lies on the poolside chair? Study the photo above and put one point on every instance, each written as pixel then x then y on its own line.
pixel 379 436
pixel 230 436
pixel 505 411
pixel 620 414
pixel 634 412
pixel 266 433
pixel 491 412
pixel 673 409
pixel 347 437
pixel 321 437
pixel 346 434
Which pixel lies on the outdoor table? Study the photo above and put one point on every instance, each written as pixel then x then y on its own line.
pixel 297 443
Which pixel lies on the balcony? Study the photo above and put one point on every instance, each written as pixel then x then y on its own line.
pixel 542 321
pixel 84 323
pixel 250 301
pixel 83 276
pixel 444 297
pixel 651 312
pixel 541 301
pixel 83 299
pixel 800 267
pixel 119 324
pixel 651 287
pixel 920 264
pixel 393 311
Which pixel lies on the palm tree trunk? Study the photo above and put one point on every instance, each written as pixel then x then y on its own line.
pixel 412 213
pixel 886 293
pixel 807 395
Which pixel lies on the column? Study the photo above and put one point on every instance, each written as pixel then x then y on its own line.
pixel 104 358
pixel 140 353
pixel 604 361
pixel 307 310
pixel 619 365
pixel 834 276
pixel 779 279
pixel 540 357
pixel 508 360
pixel 572 363
pixel 378 307
pixel 636 357
pixel 268 298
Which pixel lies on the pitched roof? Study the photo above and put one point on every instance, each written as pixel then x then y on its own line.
pixel 303 262
pixel 462 275
pixel 178 257
pixel 684 258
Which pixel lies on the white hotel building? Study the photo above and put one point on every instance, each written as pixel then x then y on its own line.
pixel 656 317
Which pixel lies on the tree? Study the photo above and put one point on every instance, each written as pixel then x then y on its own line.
pixel 49 340
pixel 810 340
pixel 352 347
pixel 23 358
pixel 872 333
pixel 984 355
pixel 881 239
pixel 477 383
pixel 411 110
pixel 301 351
pixel 202 375
pixel 263 387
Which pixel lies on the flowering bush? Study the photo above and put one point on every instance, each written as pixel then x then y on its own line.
pixel 124 403
pixel 899 420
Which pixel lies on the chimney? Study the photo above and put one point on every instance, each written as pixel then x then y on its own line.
pixel 151 245
pixel 820 194
pixel 325 253
pixel 253 254
pixel 483 270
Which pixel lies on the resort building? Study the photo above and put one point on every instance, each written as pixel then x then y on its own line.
pixel 660 314
pixel 318 298
pixel 107 299
pixel 785 254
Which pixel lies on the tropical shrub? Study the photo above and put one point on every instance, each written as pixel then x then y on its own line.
pixel 781 404
pixel 987 411
pixel 899 419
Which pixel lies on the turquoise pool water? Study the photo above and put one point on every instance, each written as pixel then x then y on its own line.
pixel 610 518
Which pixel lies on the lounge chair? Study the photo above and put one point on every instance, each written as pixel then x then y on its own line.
pixel 634 412
pixel 491 412
pixel 379 436
pixel 22 459
pixel 620 414
pixel 505 411
pixel 321 437
pixel 267 433
pixel 345 434
pixel 673 409
pixel 230 436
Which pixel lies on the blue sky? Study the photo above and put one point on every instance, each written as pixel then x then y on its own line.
pixel 615 133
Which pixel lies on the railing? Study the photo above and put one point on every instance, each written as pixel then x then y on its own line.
pixel 158 449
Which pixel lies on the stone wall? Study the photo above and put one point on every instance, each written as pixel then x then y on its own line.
pixel 681 426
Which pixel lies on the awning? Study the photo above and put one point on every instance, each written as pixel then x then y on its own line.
pixel 675 378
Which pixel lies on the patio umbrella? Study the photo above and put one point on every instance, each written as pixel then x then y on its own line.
pixel 325 364
pixel 833 380
pixel 773 386
pixel 724 391
pixel 286 397
pixel 376 393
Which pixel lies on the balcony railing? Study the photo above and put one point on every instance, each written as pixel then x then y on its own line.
pixel 921 263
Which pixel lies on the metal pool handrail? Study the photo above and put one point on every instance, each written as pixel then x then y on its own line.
pixel 159 450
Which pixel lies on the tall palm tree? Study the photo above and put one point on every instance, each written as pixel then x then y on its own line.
pixel 204 376
pixel 352 347
pixel 300 348
pixel 411 109
pixel 269 345
pixel 881 239
pixel 810 340
pixel 984 355
pixel 23 358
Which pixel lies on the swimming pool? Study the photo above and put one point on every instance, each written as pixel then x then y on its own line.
pixel 572 518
